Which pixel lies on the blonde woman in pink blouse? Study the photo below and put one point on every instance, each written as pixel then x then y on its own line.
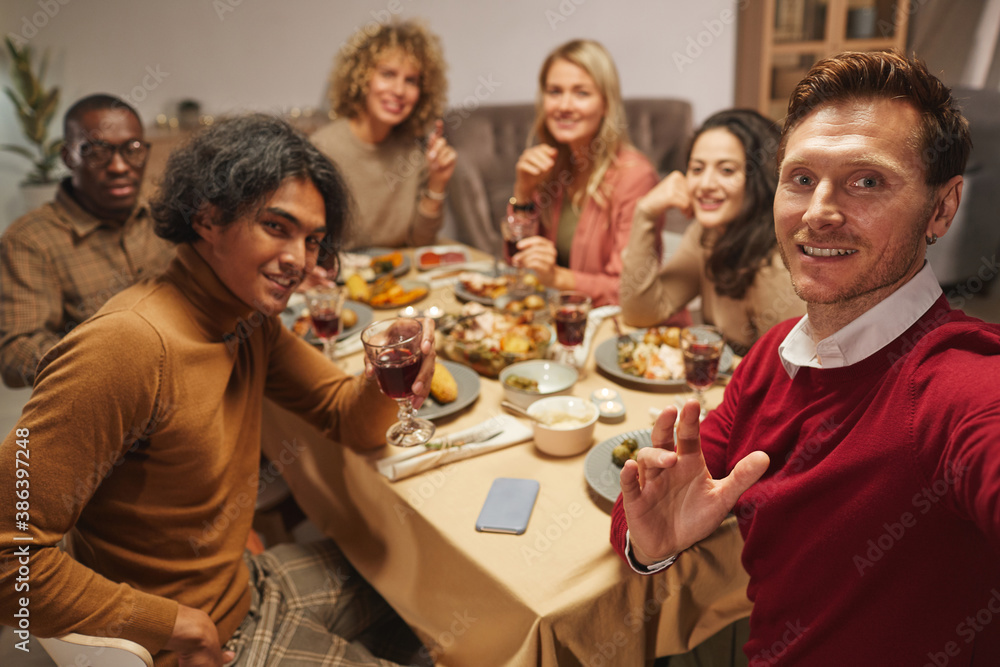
pixel 583 177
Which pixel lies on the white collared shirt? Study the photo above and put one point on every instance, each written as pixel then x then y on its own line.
pixel 866 335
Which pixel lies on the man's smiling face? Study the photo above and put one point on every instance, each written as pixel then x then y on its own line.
pixel 264 255
pixel 852 206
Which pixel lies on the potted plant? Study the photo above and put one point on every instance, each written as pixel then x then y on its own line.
pixel 35 107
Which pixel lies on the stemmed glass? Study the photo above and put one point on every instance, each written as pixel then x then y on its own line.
pixel 515 226
pixel 325 304
pixel 702 347
pixel 569 312
pixel 393 348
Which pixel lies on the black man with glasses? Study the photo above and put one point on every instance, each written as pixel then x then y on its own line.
pixel 62 261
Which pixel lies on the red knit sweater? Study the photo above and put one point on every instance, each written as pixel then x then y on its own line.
pixel 873 538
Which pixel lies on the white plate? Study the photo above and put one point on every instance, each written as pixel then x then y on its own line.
pixel 603 476
pixel 464 295
pixel 363 311
pixel 440 250
pixel 401 270
pixel 606 358
pixel 468 391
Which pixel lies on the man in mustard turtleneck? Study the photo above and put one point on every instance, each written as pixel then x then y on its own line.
pixel 144 427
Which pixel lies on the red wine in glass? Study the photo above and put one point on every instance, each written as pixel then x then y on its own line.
pixel 702 347
pixel 397 370
pixel 513 228
pixel 509 250
pixel 701 365
pixel 393 349
pixel 325 304
pixel 571 323
pixel 325 324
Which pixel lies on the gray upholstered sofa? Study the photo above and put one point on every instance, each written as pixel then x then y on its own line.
pixel 489 139
pixel 966 256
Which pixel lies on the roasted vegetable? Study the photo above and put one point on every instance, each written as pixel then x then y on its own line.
pixel 627 449
pixel 522 383
pixel 444 389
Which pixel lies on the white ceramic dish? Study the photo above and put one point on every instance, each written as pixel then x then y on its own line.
pixel 557 439
pixel 553 378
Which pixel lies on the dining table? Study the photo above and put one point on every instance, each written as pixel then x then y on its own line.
pixel 557 594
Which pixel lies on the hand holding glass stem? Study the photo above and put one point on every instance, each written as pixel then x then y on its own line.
pixel 399 353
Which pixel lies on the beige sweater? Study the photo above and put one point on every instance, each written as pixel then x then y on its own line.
pixel 650 292
pixel 144 436
pixel 386 181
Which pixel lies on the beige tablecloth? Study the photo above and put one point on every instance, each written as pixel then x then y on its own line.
pixel 557 595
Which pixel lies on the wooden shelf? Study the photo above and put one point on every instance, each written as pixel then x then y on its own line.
pixel 770 61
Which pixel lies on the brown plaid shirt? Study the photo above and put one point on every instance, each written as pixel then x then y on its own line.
pixel 58 265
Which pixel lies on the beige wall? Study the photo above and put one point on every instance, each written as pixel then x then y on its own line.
pixel 271 56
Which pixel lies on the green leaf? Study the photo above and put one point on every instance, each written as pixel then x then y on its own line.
pixel 13 98
pixel 20 150
pixel 35 107
pixel 43 67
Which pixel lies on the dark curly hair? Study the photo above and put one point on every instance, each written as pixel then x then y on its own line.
pixel 942 138
pixel 235 166
pixel 747 242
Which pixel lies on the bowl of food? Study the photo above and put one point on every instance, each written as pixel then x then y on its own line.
pixel 563 425
pixel 527 381
pixel 490 341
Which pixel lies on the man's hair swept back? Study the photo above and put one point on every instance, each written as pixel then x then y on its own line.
pixel 942 139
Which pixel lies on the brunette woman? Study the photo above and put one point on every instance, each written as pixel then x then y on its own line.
pixel 728 254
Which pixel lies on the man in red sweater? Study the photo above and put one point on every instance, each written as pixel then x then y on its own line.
pixel 859 446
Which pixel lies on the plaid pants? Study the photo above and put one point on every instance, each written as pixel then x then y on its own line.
pixel 311 608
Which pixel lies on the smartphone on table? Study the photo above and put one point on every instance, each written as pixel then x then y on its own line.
pixel 508 506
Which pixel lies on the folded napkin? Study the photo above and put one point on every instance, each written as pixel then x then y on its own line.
pixel 420 458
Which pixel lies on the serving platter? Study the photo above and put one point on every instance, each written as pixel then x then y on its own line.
pixel 407 285
pixel 606 358
pixel 447 256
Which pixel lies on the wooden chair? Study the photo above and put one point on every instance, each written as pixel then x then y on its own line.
pixel 75 650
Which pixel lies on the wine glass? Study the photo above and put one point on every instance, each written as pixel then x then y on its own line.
pixel 515 226
pixel 702 347
pixel 325 304
pixel 393 348
pixel 569 312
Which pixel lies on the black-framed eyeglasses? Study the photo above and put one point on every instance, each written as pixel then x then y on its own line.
pixel 99 153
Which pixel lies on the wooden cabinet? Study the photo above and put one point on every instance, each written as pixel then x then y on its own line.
pixel 779 40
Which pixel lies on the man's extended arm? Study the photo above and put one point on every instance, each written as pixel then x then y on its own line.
pixel 89 403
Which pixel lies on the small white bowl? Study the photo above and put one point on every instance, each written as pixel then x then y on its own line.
pixel 563 438
pixel 553 378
